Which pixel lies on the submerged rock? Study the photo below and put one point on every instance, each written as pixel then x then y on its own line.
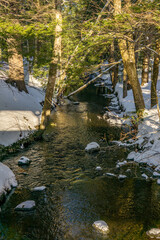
pixel 24 161
pixel 26 206
pixel 92 147
pixel 101 226
pixel 154 233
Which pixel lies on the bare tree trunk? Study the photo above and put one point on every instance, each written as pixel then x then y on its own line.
pixel 155 75
pixel 125 78
pixel 128 55
pixel 53 69
pixel 145 69
pixel 15 60
pixel 114 71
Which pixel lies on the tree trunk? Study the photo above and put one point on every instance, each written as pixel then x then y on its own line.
pixel 15 60
pixel 53 70
pixel 112 59
pixel 145 69
pixel 125 78
pixel 128 56
pixel 155 75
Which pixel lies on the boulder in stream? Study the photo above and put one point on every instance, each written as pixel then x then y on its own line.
pixel 26 206
pixel 101 226
pixel 154 233
pixel 92 147
pixel 24 161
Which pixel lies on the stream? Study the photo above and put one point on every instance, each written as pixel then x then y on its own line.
pixel 77 194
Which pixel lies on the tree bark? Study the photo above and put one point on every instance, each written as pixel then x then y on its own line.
pixel 155 75
pixel 15 60
pixel 112 59
pixel 125 78
pixel 145 69
pixel 53 72
pixel 128 56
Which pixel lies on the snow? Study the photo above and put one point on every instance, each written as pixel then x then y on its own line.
pixel 19 112
pixel 148 137
pixel 7 179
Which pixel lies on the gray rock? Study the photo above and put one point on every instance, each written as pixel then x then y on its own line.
pixel 24 161
pixel 92 147
pixel 101 226
pixel 26 206
pixel 154 233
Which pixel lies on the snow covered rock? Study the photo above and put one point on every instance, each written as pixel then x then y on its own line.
pixel 154 233
pixel 156 174
pixel 98 168
pixel 101 226
pixel 92 147
pixel 39 189
pixel 144 176
pixel 120 164
pixel 7 180
pixel 131 156
pixel 122 177
pixel 158 181
pixel 24 161
pixel 26 206
pixel 111 174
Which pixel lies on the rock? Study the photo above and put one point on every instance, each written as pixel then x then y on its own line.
pixel 98 168
pixel 156 174
pixel 154 233
pixel 26 206
pixel 158 181
pixel 101 226
pixel 39 189
pixel 75 103
pixel 7 180
pixel 144 176
pixel 24 161
pixel 121 177
pixel 92 147
pixel 120 164
pixel 111 174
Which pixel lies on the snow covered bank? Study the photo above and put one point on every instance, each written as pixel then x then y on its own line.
pixel 7 180
pixel 19 112
pixel 148 137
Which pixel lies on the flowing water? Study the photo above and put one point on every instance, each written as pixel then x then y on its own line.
pixel 77 194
